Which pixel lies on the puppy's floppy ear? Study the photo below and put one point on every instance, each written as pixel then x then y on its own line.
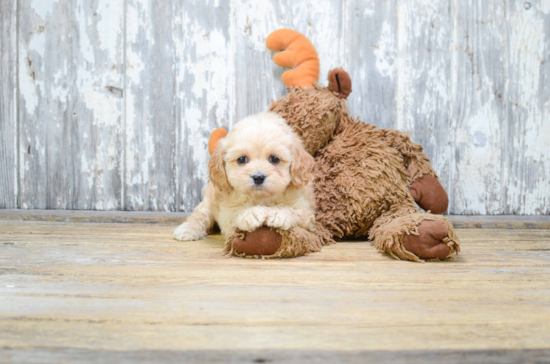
pixel 216 167
pixel 302 165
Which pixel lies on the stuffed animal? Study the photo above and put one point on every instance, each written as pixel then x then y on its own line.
pixel 366 179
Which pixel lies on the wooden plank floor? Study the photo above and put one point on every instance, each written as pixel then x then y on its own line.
pixel 129 292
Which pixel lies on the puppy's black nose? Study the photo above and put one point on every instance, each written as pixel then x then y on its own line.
pixel 258 179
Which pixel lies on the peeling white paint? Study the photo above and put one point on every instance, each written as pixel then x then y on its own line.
pixel 385 49
pixel 31 67
pixel 528 49
pixel 432 68
pixel 479 162
pixel 43 7
pixel 210 70
pixel 108 40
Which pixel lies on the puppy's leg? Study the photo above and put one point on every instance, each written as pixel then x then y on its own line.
pixel 251 218
pixel 197 226
pixel 285 218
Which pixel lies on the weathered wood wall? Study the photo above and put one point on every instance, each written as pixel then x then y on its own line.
pixel 108 104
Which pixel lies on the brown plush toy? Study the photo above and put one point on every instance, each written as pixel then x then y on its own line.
pixel 367 180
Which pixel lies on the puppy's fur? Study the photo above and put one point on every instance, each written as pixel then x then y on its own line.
pixel 233 199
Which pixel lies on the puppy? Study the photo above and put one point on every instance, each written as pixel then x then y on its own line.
pixel 259 175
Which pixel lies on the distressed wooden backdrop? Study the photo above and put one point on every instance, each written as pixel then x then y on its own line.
pixel 108 104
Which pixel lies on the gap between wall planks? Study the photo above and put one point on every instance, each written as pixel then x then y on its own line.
pixel 108 105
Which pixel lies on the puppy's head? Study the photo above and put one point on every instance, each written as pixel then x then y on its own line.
pixel 260 157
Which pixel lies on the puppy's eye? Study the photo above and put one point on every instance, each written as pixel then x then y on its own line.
pixel 274 159
pixel 242 160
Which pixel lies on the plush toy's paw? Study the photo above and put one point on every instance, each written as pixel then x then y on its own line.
pixel 278 219
pixel 430 241
pixel 252 218
pixel 185 232
pixel 263 241
pixel 430 195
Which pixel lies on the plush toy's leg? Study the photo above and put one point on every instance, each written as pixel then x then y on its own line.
pixel 429 194
pixel 271 243
pixel 426 189
pixel 415 236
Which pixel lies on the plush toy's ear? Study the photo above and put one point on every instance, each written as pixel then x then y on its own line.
pixel 302 165
pixel 215 137
pixel 216 167
pixel 298 53
pixel 340 82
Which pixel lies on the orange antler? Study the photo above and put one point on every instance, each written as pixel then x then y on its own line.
pixel 298 53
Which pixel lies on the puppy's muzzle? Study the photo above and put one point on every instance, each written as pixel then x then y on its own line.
pixel 258 179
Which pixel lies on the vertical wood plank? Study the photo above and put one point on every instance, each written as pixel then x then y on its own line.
pixel 8 104
pixel 205 97
pixel 423 67
pixel 370 51
pixel 98 101
pixel 258 79
pixel 70 74
pixel 45 105
pixel 527 139
pixel 478 111
pixel 151 128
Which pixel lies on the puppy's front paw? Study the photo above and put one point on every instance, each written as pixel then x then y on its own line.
pixel 252 218
pixel 279 220
pixel 185 232
pixel 308 221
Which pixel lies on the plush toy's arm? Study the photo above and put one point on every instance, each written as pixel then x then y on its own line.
pixel 426 189
pixel 416 161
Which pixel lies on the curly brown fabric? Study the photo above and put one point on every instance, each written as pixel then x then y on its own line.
pixel 390 230
pixel 313 113
pixel 362 178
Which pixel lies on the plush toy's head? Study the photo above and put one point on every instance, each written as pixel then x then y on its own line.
pixel 311 110
pixel 313 113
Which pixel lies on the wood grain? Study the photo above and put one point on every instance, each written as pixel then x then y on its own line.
pixel 108 105
pixel 479 111
pixel 98 289
pixel 369 54
pixel 277 356
pixel 205 98
pixel 151 94
pixel 176 218
pixel 70 76
pixel 46 104
pixel 98 61
pixel 528 109
pixel 8 104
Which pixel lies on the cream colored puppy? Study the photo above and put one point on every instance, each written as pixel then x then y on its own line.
pixel 259 175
